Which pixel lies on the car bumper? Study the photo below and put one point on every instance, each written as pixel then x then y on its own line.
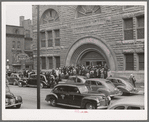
pixel 102 107
pixel 116 94
pixel 13 105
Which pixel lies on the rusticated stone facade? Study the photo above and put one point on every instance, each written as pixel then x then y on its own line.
pixel 91 35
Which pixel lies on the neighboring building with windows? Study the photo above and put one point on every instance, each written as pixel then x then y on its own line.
pixel 19 51
pixel 91 35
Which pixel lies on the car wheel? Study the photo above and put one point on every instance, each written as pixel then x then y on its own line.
pixel 20 84
pixel 18 106
pixel 53 101
pixel 41 85
pixel 90 106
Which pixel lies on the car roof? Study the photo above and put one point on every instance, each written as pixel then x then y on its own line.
pixel 117 78
pixel 131 100
pixel 66 84
pixel 97 79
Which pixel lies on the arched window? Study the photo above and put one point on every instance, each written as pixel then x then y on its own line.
pixel 87 10
pixel 49 16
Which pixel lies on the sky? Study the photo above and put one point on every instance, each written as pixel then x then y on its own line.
pixel 13 13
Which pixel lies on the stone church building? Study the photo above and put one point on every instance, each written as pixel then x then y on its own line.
pixel 91 35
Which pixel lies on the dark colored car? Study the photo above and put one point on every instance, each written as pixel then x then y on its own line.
pixel 77 96
pixel 102 86
pixel 11 100
pixel 32 81
pixel 123 84
pixel 13 79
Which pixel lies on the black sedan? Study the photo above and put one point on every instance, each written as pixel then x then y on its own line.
pixel 11 100
pixel 77 96
pixel 32 81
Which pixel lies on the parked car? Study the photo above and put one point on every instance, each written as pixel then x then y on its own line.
pixel 102 86
pixel 11 100
pixel 13 79
pixel 75 79
pixel 32 81
pixel 123 84
pixel 129 103
pixel 77 96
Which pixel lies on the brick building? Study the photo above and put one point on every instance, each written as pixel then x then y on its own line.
pixel 19 51
pixel 91 35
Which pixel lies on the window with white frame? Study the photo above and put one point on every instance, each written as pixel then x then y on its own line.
pixel 140 27
pixel 128 29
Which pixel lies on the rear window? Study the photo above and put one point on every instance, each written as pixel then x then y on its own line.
pixel 133 108
pixel 120 107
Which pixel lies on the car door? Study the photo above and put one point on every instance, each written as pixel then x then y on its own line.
pixel 62 93
pixel 93 86
pixel 74 96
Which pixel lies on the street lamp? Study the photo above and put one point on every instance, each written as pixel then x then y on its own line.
pixel 7 64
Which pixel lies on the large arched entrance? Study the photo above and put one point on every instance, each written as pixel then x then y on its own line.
pixel 91 51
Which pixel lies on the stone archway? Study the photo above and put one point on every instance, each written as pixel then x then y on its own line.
pixel 86 44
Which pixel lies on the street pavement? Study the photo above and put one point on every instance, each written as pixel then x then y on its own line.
pixel 29 95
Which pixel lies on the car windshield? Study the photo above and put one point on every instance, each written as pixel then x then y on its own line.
pixel 109 82
pixel 83 89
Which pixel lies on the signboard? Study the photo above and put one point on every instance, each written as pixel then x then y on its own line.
pixel 22 56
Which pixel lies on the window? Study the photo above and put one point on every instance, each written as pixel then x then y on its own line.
pixel 57 37
pixel 18 44
pixel 87 10
pixel 98 83
pixel 13 44
pixel 43 61
pixel 93 83
pixel 27 33
pixel 43 40
pixel 140 27
pixel 128 29
pixel 57 62
pixel 120 107
pixel 49 16
pixel 129 61
pixel 50 39
pixel 141 61
pixel 132 107
pixel 50 62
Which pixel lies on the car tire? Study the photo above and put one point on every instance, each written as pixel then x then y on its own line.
pixel 53 101
pixel 18 106
pixel 20 84
pixel 90 105
pixel 41 85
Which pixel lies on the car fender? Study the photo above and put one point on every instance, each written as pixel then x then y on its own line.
pixel 104 91
pixel 45 83
pixel 51 95
pixel 88 99
pixel 23 82
pixel 122 88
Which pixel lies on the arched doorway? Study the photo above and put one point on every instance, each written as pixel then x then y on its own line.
pixel 91 50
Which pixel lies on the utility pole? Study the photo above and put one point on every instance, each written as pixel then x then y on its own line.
pixel 38 60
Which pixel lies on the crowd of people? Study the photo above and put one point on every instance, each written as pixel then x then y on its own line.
pixel 56 75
